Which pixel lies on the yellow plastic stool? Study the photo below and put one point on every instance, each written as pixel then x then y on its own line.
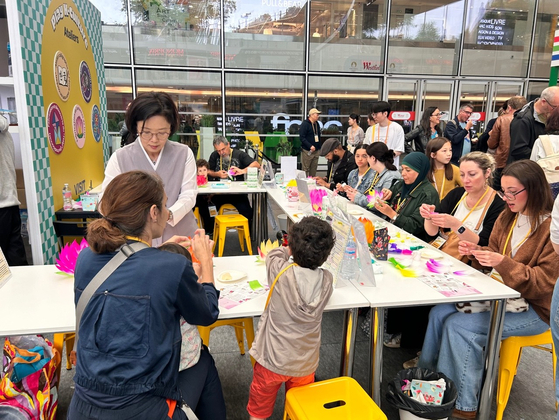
pixel 227 221
pixel 229 208
pixel 197 216
pixel 511 350
pixel 334 399
pixel 239 324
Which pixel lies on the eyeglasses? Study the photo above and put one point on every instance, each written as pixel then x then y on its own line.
pixel 467 112
pixel 511 196
pixel 148 135
pixel 549 103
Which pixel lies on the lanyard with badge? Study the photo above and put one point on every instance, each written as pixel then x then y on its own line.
pixel 494 274
pixel 230 160
pixel 378 133
pixel 314 132
pixel 361 180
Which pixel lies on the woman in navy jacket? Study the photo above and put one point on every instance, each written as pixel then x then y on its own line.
pixel 129 347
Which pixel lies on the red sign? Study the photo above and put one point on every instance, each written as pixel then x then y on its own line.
pixel 402 116
pixel 478 116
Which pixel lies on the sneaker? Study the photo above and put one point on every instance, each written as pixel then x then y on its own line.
pixel 411 363
pixel 393 341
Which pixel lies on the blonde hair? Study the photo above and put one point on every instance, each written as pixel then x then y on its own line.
pixel 484 161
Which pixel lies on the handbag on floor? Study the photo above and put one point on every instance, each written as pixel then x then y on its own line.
pixel 28 379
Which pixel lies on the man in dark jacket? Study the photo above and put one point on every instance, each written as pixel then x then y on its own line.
pixel 529 123
pixel 458 132
pixel 309 133
pixel 340 163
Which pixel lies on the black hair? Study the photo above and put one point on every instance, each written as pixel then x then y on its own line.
pixel 382 106
pixel 151 104
pixel 311 241
pixel 175 248
pixel 354 117
pixel 383 154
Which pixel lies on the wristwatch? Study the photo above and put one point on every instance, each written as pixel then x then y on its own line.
pixel 395 217
pixel 461 229
pixel 170 216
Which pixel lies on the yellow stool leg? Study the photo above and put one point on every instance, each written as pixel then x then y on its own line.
pixel 247 238
pixel 58 343
pixel 222 235
pixel 510 356
pixel 249 331
pixel 197 216
pixel 241 234
pixel 69 340
pixel 239 334
pixel 205 334
pixel 216 235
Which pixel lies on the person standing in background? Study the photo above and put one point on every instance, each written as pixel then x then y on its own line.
pixel 309 133
pixel 355 134
pixel 458 131
pixel 529 123
pixel 499 138
pixel 369 132
pixel 390 133
pixel 11 242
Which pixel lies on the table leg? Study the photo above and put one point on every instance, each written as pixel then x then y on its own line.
pixel 375 352
pixel 492 347
pixel 348 342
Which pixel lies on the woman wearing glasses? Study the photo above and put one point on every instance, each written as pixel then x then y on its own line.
pixel 153 117
pixel 427 129
pixel 520 254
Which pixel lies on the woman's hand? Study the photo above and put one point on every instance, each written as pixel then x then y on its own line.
pixel 386 194
pixel 488 258
pixel 385 209
pixel 351 193
pixel 467 248
pixel 340 187
pixel 426 210
pixel 181 240
pixel 445 221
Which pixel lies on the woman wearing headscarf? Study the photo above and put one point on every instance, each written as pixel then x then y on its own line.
pixel 403 201
pixel 406 196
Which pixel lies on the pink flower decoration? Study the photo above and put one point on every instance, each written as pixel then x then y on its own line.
pixel 373 198
pixel 316 199
pixel 68 256
pixel 201 180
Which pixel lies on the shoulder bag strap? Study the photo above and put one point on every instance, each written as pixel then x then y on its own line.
pixel 115 262
pixel 274 283
pixel 487 205
pixel 547 146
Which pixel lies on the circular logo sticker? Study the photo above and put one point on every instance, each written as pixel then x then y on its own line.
pixel 61 76
pixel 55 128
pixel 78 124
pixel 85 81
pixel 96 123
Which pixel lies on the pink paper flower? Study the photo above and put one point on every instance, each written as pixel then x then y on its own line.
pixel 201 180
pixel 373 198
pixel 68 256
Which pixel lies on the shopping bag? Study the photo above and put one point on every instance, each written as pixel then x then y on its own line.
pixel 35 394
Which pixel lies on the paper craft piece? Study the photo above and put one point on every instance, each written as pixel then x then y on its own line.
pixel 380 244
pixel 255 285
pixel 66 261
pixel 406 272
pixel 201 180
pixel 447 285
pixel 373 198
pixel 264 248
pixel 369 229
pixel 316 200
pixel 236 294
pixel 5 272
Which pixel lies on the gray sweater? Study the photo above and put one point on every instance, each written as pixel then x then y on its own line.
pixel 8 189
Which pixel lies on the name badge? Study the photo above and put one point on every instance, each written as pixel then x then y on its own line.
pixel 496 276
pixel 438 242
pixel 316 139
pixel 213 211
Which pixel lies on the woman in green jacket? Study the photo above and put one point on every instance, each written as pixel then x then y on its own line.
pixel 406 195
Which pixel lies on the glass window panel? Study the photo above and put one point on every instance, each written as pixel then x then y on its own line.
pixel 424 37
pixel 347 36
pixel 265 34
pixel 337 97
pixel 546 22
pixel 114 30
pixel 177 32
pixel 497 38
pixel 119 94
pixel 263 108
pixel 535 90
pixel 198 97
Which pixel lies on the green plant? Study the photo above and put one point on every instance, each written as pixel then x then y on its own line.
pixel 284 147
pixel 207 121
pixel 331 130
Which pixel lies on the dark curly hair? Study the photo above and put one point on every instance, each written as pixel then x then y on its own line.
pixel 311 241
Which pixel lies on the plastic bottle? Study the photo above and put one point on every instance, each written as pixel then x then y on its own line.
pixel 349 263
pixel 67 197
